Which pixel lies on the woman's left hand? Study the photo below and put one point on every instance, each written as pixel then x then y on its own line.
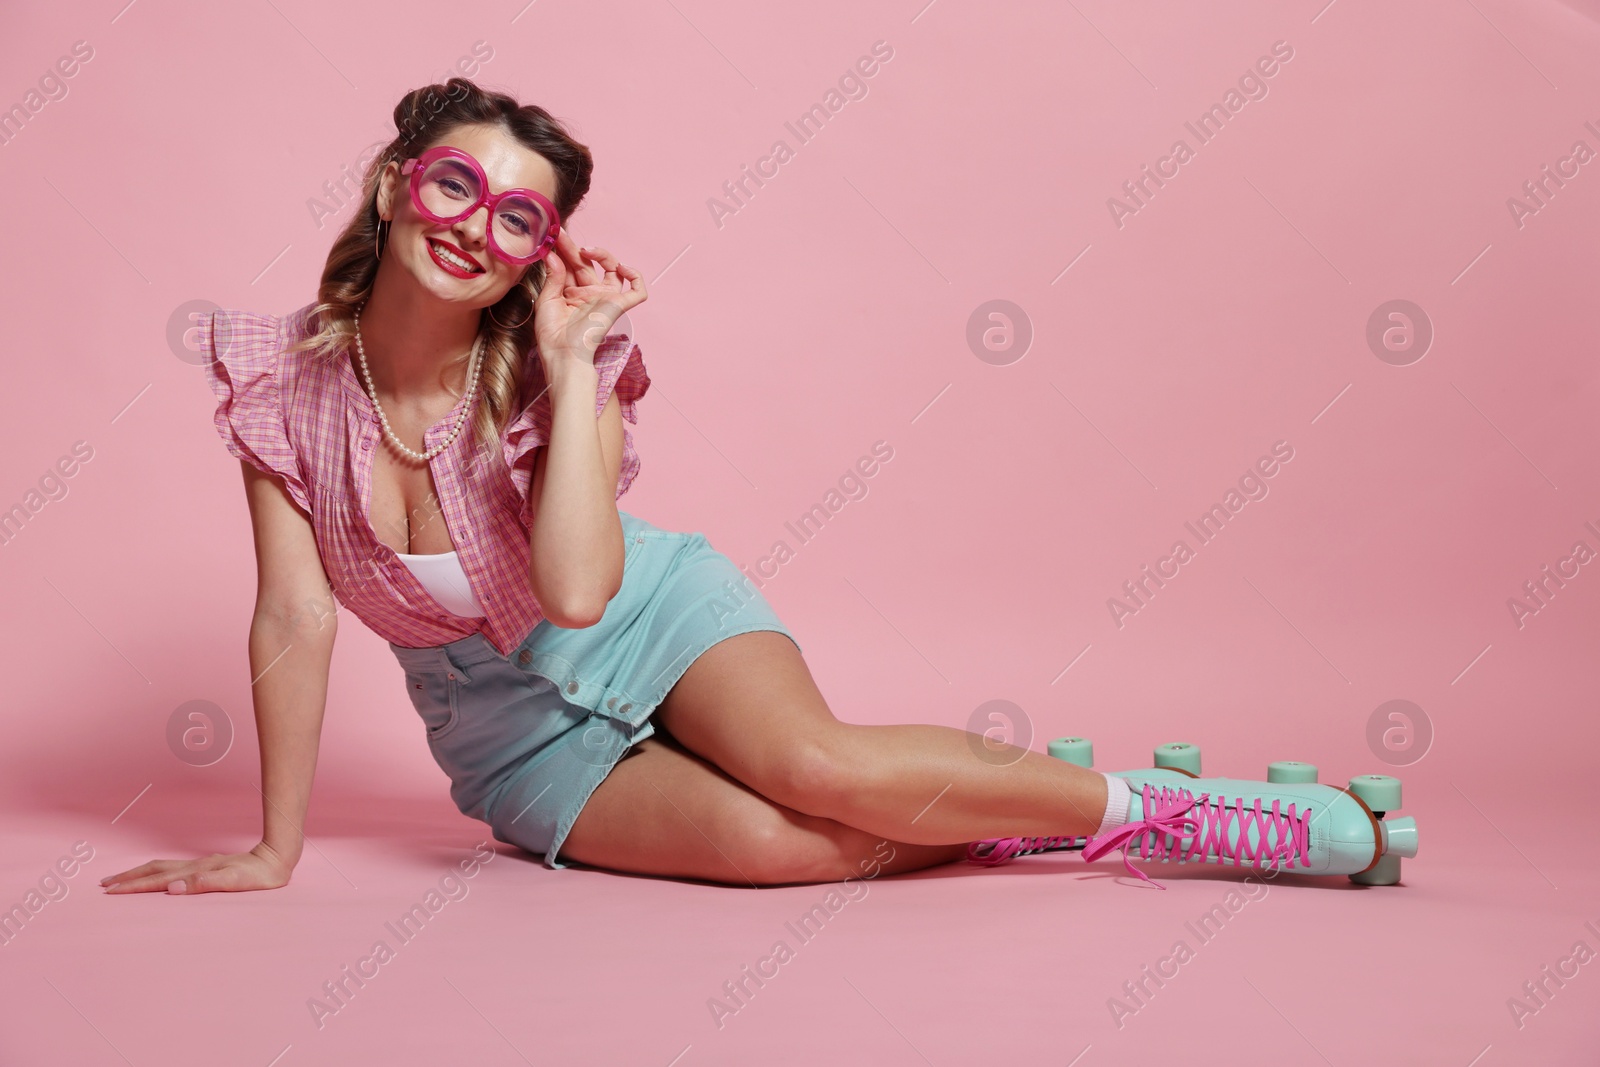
pixel 580 302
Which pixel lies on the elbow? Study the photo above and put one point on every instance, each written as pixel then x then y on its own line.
pixel 306 619
pixel 575 622
pixel 576 616
pixel 575 605
pixel 574 612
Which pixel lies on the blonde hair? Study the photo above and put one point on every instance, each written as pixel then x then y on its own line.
pixel 425 117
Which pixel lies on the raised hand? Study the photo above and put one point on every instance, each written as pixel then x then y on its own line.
pixel 580 302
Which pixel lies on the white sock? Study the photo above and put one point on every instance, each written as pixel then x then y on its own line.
pixel 1118 796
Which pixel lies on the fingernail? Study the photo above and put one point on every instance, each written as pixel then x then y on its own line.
pixel 176 887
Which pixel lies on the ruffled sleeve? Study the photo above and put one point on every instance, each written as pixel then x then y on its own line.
pixel 620 364
pixel 239 351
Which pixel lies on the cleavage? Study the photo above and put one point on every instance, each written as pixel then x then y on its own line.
pixel 406 512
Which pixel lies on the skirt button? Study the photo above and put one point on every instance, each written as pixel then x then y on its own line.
pixel 611 703
pixel 572 687
pixel 524 657
pixel 625 708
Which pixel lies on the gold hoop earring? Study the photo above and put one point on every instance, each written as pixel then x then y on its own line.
pixel 502 325
pixel 382 233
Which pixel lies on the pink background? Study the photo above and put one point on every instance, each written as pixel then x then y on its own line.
pixel 830 312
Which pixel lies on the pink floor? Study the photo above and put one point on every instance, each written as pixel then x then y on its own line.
pixel 1026 963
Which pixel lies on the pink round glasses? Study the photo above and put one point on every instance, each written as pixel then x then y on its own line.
pixel 447 185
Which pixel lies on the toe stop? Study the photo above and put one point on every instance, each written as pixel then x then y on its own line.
pixel 1399 836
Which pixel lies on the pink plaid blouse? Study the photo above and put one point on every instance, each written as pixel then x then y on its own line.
pixel 310 422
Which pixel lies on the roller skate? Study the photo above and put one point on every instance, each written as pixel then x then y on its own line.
pixel 1288 823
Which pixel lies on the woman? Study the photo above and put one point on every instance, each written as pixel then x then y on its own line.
pixel 442 435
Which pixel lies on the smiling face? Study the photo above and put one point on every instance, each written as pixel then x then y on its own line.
pixel 452 260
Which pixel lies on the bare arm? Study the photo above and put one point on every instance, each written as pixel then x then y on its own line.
pixel 291 642
pixel 576 550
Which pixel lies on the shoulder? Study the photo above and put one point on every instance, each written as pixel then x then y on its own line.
pixel 235 336
pixel 262 363
pixel 239 346
pixel 300 323
pixel 239 351
pixel 294 328
pixel 242 354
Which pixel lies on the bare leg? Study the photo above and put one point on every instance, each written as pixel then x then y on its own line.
pixel 664 811
pixel 750 706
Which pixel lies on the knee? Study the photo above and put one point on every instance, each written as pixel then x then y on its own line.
pixel 816 775
pixel 790 850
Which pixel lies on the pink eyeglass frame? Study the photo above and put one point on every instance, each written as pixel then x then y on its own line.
pixel 416 166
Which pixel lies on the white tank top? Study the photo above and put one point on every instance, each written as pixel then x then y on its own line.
pixel 441 575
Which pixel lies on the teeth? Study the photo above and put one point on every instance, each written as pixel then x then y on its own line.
pixel 450 257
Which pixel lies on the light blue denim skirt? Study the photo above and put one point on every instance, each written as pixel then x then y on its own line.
pixel 526 738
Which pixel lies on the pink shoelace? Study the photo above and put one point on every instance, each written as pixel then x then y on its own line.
pixel 998 850
pixel 1173 814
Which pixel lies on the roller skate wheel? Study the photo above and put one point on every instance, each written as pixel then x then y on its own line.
pixel 1399 836
pixel 1079 750
pixel 1380 791
pixel 1286 771
pixel 1387 872
pixel 1179 755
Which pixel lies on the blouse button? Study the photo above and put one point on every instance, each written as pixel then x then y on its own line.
pixel 366 446
pixel 572 687
pixel 625 708
pixel 524 657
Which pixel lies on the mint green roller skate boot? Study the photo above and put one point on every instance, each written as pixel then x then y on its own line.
pixel 1297 826
pixel 1288 822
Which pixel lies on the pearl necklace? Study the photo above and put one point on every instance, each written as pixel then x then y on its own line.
pixel 466 403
